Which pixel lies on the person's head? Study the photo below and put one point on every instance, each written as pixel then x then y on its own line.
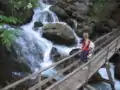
pixel 85 35
pixel 86 28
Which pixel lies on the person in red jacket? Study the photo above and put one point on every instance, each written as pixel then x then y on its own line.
pixel 87 47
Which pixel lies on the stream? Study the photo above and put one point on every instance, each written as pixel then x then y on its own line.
pixel 35 49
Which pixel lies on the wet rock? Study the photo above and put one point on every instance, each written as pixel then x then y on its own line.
pixel 115 14
pixel 96 78
pixel 9 65
pixel 102 27
pixel 112 23
pixel 59 11
pixel 73 51
pixel 117 70
pixel 78 16
pixel 73 23
pixel 71 9
pixel 38 24
pixel 115 58
pixel 50 1
pixel 55 56
pixel 59 33
pixel 81 7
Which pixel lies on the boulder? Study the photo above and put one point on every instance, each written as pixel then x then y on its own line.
pixel 71 9
pixel 59 33
pixel 78 16
pixel 73 51
pixel 72 23
pixel 116 13
pixel 81 7
pixel 59 11
pixel 116 61
pixel 112 23
pixel 102 27
pixel 9 65
pixel 115 58
pixel 50 1
pixel 117 70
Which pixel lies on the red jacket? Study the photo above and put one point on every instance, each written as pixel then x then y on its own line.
pixel 85 47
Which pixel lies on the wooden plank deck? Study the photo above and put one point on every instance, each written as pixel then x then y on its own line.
pixel 78 78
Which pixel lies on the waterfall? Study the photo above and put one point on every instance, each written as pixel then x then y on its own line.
pixel 31 46
pixel 103 73
pixel 35 50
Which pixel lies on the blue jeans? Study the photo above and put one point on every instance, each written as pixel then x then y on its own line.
pixel 83 56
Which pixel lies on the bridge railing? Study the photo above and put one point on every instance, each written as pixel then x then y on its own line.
pixel 39 73
pixel 92 65
pixel 105 40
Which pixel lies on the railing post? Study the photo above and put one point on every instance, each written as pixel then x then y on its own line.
pixel 106 55
pixel 40 77
pixel 116 45
pixel 88 71
pixel 109 75
pixel 108 69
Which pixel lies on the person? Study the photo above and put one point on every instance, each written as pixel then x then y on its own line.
pixel 87 47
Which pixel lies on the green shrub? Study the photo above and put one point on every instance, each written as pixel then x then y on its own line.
pixel 97 8
pixel 26 4
pixel 7 36
pixel 5 19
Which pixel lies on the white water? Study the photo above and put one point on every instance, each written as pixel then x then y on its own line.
pixel 103 73
pixel 33 48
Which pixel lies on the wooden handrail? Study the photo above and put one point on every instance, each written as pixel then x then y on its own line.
pixel 42 70
pixel 84 65
pixel 53 65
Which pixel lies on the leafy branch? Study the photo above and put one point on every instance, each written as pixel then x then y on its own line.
pixel 5 19
pixel 7 36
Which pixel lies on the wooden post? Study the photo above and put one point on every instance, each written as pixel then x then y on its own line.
pixel 109 75
pixel 108 71
pixel 40 77
pixel 88 71
pixel 116 45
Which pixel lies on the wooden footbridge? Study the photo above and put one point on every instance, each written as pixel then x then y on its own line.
pixel 76 74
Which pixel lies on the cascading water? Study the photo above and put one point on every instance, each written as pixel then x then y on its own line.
pixel 103 73
pixel 32 47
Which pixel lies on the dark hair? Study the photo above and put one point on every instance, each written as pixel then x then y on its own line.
pixel 86 29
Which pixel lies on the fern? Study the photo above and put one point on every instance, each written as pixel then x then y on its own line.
pixel 8 36
pixel 8 19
